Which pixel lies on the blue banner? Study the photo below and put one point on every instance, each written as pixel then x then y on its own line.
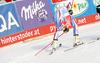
pixel 80 8
pixel 9 20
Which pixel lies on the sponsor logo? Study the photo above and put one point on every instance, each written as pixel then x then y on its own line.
pixel 55 1
pixel 16 38
pixel 82 21
pixel 7 26
pixel 52 28
pixel 79 6
pixel 97 17
pixel 32 10
pixel 96 2
pixel 20 36
pixel 42 15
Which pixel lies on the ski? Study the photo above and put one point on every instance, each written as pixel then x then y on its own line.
pixel 72 48
pixel 50 53
pixel 80 45
pixel 53 50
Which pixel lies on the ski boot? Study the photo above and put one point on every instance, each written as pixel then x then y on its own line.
pixel 55 44
pixel 77 41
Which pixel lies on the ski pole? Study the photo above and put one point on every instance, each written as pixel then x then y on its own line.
pixel 47 45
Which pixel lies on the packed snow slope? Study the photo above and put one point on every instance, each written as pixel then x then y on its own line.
pixel 87 53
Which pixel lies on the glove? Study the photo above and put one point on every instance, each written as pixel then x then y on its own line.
pixel 65 30
pixel 70 11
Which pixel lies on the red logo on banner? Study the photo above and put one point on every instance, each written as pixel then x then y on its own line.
pixel 56 1
pixel 8 0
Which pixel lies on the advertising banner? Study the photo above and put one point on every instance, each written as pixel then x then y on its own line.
pixel 37 19
pixel 96 2
pixel 56 1
pixel 14 38
pixel 9 20
pixel 34 13
pixel 80 8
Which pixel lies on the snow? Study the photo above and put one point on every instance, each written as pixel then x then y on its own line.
pixel 87 53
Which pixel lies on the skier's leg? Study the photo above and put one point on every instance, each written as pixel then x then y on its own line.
pixel 55 38
pixel 75 27
pixel 77 41
pixel 58 22
pixel 56 34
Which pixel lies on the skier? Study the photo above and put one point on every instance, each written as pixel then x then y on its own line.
pixel 64 14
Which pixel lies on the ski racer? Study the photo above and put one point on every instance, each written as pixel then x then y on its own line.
pixel 64 14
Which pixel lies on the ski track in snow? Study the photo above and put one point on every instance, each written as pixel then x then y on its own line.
pixel 88 53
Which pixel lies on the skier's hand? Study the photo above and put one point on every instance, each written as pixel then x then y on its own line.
pixel 65 30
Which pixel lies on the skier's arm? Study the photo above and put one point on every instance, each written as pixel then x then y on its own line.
pixel 69 7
